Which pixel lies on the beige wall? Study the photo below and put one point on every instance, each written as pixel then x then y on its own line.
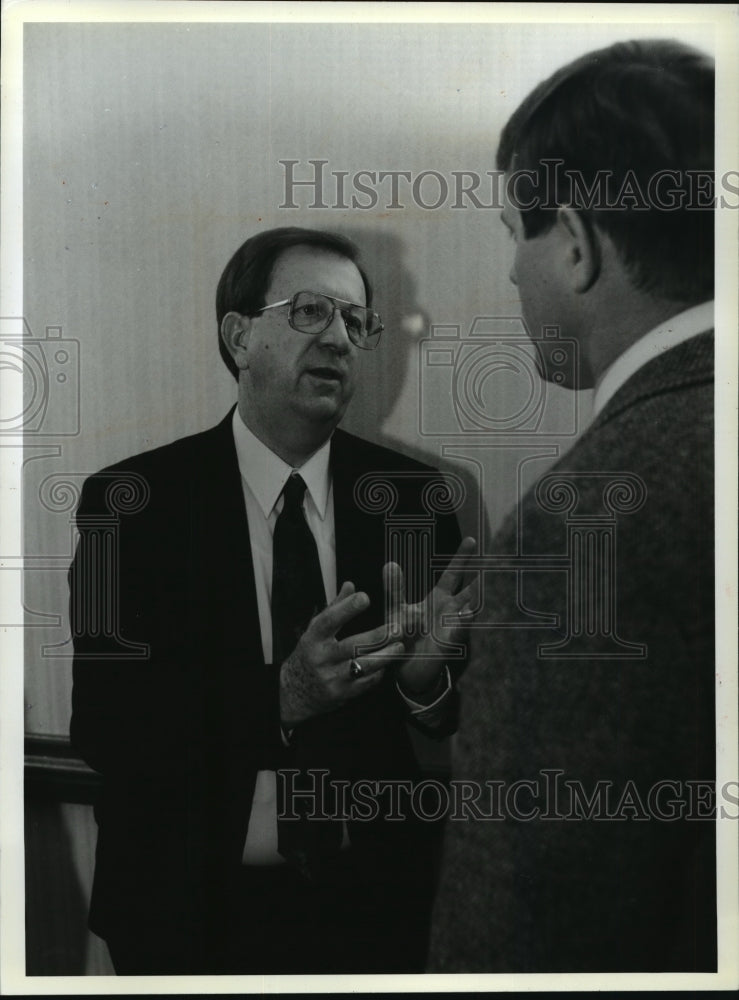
pixel 151 153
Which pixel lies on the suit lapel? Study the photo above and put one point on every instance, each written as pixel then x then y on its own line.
pixel 222 558
pixel 359 536
pixel 224 561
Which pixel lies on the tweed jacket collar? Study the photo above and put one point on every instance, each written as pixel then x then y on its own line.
pixel 689 363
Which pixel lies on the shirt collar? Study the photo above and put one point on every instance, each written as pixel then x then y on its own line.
pixel 669 334
pixel 266 474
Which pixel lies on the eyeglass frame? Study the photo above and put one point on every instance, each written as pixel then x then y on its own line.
pixel 334 301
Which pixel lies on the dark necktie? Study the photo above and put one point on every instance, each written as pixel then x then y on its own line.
pixel 297 583
pixel 298 595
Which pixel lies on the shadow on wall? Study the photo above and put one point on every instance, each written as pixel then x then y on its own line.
pixel 386 373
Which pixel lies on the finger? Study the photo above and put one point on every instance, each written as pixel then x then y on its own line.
pixel 451 578
pixel 372 641
pixel 463 606
pixel 468 599
pixel 473 594
pixel 394 583
pixel 378 663
pixel 347 589
pixel 339 613
pixel 359 685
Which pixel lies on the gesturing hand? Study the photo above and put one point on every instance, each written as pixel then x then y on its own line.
pixel 426 626
pixel 316 677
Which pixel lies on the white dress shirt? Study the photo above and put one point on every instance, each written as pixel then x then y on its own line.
pixel 263 476
pixel 689 323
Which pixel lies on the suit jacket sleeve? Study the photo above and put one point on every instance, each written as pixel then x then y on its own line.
pixel 189 702
pixel 128 702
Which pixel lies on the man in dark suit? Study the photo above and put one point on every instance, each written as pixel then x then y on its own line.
pixel 254 591
pixel 589 709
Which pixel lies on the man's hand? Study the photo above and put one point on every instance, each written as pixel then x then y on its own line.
pixel 426 626
pixel 315 678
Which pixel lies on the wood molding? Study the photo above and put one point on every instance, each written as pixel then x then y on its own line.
pixel 53 771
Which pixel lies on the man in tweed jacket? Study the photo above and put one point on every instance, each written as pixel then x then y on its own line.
pixel 589 730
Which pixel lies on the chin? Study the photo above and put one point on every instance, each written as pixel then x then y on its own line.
pixel 326 412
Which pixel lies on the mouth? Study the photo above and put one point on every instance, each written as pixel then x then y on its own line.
pixel 326 373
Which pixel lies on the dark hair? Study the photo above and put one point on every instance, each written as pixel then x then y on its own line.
pixel 622 117
pixel 245 280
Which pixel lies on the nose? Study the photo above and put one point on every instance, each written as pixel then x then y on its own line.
pixel 335 335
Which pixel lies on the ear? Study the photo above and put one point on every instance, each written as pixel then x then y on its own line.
pixel 235 333
pixel 582 248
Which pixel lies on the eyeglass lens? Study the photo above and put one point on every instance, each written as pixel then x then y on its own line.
pixel 312 313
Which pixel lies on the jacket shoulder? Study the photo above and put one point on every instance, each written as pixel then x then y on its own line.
pixel 134 479
pixel 358 452
pixel 165 455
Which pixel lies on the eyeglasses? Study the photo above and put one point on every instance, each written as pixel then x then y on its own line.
pixel 313 312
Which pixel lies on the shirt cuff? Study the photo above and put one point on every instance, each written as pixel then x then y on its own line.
pixel 428 713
